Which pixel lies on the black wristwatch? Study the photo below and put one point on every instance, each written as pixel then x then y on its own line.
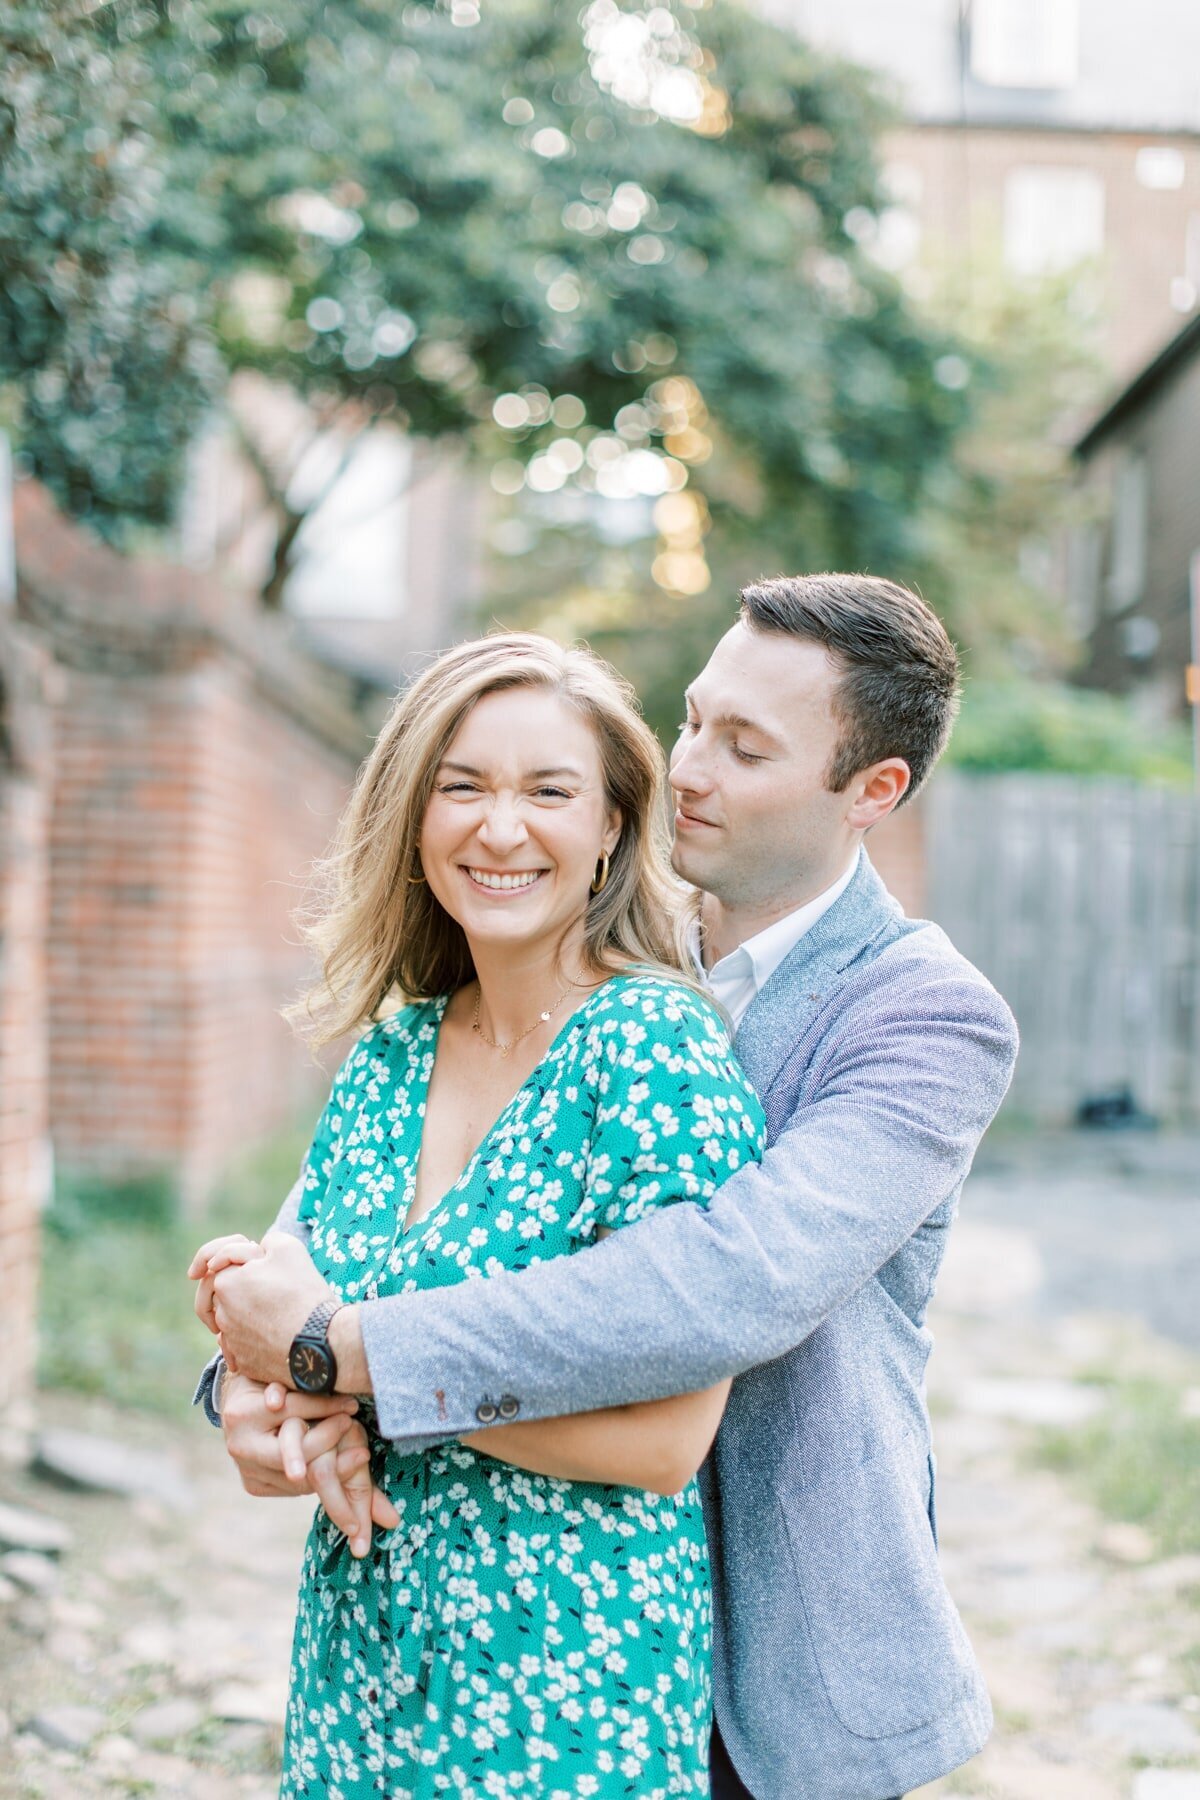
pixel 312 1364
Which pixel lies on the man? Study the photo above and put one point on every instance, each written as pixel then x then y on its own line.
pixel 841 1670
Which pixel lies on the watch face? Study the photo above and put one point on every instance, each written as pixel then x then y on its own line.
pixel 311 1367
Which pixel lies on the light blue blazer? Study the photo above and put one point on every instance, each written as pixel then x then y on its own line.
pixel 841 1668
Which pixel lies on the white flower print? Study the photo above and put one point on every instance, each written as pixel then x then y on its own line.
pixel 514 1635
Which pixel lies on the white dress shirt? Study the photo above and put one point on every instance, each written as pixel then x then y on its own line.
pixel 740 977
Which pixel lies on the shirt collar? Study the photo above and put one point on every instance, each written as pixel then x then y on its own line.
pixel 759 957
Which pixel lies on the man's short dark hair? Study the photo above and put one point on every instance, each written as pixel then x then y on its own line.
pixel 899 688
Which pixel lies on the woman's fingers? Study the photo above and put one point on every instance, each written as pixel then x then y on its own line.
pixel 339 1430
pixel 199 1263
pixel 355 1477
pixel 292 1449
pixel 279 1399
pixel 206 1265
pixel 335 1457
pixel 382 1510
pixel 205 1303
pixel 232 1252
pixel 302 1443
pixel 322 1472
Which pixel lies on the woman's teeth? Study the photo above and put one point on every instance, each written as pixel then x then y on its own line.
pixel 526 879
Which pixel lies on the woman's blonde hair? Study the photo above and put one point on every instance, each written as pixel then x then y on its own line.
pixel 378 930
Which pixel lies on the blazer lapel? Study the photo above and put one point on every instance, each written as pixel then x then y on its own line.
pixel 780 1015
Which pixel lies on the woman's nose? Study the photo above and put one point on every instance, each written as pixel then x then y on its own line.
pixel 503 827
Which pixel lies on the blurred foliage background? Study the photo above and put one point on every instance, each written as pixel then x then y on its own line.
pixel 647 277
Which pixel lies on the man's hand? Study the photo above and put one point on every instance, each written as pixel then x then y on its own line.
pixel 259 1305
pixel 286 1444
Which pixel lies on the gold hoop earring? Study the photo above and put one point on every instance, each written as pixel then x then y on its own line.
pixel 600 878
pixel 416 881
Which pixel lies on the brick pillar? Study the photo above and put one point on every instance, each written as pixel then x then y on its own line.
pixel 24 1095
pixel 200 765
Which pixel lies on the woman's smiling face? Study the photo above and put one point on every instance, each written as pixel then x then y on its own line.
pixel 517 820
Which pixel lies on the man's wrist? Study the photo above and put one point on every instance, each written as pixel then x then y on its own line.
pixel 345 1340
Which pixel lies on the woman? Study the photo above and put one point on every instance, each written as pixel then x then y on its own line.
pixel 537 1619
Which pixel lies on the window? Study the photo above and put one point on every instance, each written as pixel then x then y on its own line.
pixel 352 550
pixel 1160 166
pixel 1185 288
pixel 1025 43
pixel 1084 548
pixel 1053 219
pixel 1127 554
pixel 1191 252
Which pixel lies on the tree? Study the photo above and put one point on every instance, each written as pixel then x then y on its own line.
pixel 560 238
pixel 105 367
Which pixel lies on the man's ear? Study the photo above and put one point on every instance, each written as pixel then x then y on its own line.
pixel 877 791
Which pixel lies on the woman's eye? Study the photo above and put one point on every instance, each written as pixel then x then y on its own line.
pixel 552 793
pixel 745 756
pixel 458 787
pixel 687 725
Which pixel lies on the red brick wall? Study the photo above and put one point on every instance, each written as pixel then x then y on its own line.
pixel 24 1119
pixel 200 765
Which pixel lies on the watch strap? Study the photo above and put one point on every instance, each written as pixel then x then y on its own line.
pixel 316 1326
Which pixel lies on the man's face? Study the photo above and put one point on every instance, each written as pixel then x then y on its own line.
pixel 755 824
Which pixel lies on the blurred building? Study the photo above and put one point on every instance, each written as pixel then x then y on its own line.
pixel 1047 132
pixel 1130 561
pixel 385 567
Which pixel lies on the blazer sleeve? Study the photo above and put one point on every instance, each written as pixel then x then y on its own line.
pixel 882 1136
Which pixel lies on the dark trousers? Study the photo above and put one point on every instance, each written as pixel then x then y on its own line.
pixel 727 1784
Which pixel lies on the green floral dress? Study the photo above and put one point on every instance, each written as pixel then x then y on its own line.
pixel 515 1634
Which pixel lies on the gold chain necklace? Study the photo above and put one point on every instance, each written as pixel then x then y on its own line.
pixel 512 1043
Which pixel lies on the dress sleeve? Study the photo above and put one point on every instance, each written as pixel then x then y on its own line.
pixel 674 1114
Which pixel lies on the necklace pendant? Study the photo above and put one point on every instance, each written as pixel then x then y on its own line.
pixel 504 1050
pixel 543 1017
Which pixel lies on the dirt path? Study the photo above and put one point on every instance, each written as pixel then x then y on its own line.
pixel 1089 1641
pixel 170 1627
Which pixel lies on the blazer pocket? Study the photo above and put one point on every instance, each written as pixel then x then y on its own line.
pixel 891 1650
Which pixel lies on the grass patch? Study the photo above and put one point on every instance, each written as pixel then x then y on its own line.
pixel 1138 1461
pixel 116 1305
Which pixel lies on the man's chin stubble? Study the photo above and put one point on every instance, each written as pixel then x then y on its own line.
pixel 693 871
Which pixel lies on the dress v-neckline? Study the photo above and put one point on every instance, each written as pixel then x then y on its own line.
pixel 428 1062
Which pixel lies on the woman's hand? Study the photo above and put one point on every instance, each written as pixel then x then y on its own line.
pixel 219 1253
pixel 287 1444
pixel 341 1477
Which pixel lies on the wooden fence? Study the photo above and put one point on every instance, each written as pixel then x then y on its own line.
pixel 1080 899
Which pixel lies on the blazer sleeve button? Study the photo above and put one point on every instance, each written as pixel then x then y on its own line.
pixel 510 1406
pixel 485 1412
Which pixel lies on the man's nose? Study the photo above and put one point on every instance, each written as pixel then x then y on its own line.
pixel 689 772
